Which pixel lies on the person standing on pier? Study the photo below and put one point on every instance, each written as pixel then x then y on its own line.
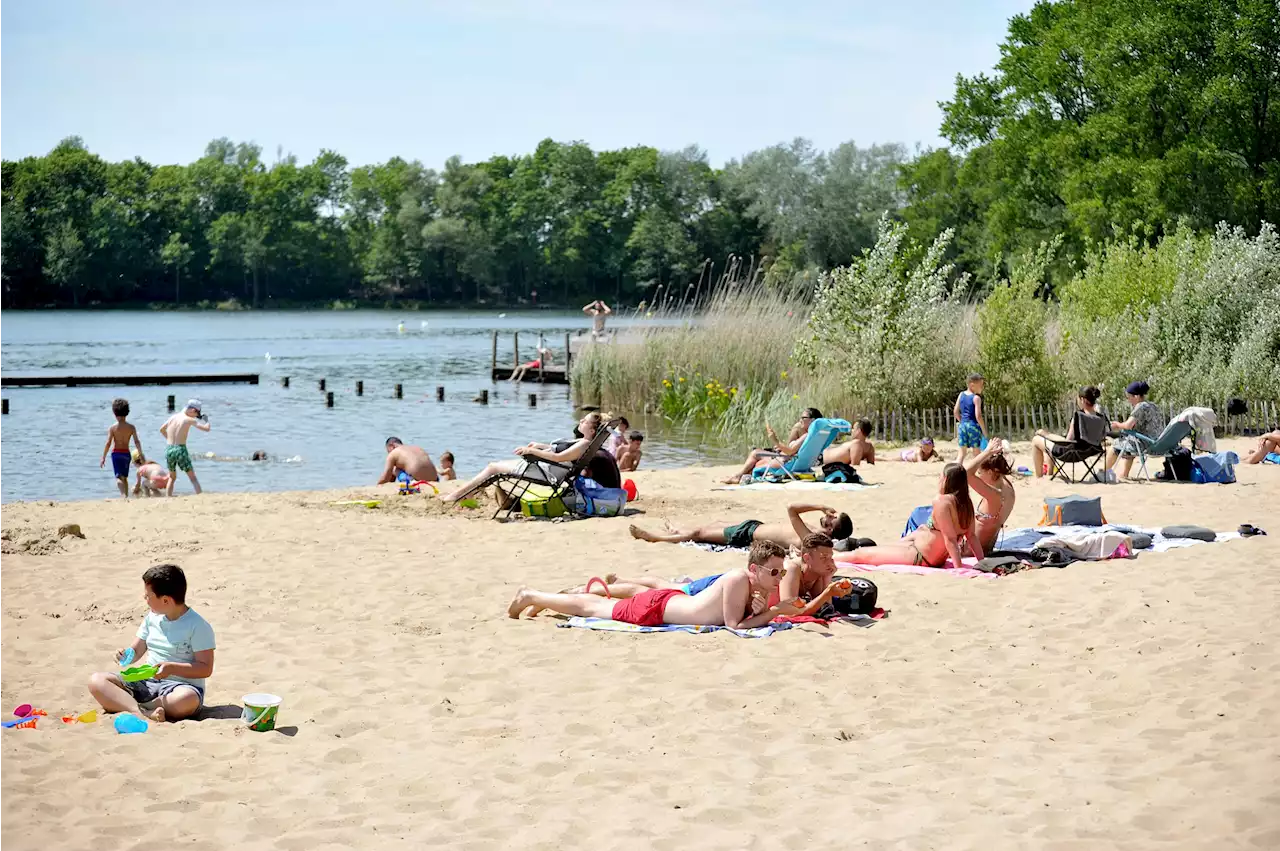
pixel 597 310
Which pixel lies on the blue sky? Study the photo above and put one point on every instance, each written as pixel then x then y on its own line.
pixel 425 80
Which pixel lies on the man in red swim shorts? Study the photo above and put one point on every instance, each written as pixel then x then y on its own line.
pixel 726 603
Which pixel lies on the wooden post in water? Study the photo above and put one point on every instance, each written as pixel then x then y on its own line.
pixel 484 397
pixel 568 357
pixel 399 391
pixel 4 406
pixel 359 388
pixel 533 400
pixel 328 399
pixel 322 385
pixel 171 404
pixel 440 390
pixel 515 346
pixel 284 382
pixel 493 362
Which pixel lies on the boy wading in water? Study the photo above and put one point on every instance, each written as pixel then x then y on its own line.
pixel 118 437
pixel 175 431
pixel 179 643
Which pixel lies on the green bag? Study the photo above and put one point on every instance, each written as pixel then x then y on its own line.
pixel 535 504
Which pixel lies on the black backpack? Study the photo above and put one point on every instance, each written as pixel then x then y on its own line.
pixel 861 601
pixel 840 472
pixel 1177 466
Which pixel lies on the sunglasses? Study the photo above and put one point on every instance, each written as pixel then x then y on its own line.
pixel 774 571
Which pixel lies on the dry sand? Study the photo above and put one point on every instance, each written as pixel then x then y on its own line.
pixel 1125 704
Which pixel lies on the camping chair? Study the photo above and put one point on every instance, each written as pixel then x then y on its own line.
pixel 822 432
pixel 1087 449
pixel 558 489
pixel 1172 436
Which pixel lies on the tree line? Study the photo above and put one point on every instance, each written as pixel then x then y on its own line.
pixel 1104 119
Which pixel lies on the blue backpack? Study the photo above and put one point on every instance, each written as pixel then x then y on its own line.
pixel 1218 468
pixel 595 500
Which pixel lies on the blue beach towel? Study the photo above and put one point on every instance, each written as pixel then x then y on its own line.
pixel 1272 458
pixel 919 517
pixel 607 625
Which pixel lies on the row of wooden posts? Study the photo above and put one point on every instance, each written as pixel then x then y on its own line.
pixel 398 392
pixel 1021 421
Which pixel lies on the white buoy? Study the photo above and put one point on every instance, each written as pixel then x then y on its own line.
pixel 268 355
pixel 502 316
pixel 424 323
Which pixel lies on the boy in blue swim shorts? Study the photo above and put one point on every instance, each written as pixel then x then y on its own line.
pixel 177 641
pixel 971 428
pixel 118 437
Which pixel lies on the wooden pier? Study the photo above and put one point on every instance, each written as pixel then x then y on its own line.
pixel 541 375
pixel 125 380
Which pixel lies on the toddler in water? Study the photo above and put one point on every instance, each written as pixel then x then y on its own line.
pixel 446 467
pixel 923 452
pixel 971 428
pixel 152 479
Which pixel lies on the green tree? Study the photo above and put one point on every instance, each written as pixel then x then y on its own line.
pixel 176 254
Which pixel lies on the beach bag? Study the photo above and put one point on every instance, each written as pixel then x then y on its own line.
pixel 543 506
pixel 595 500
pixel 1177 466
pixel 1218 468
pixel 1073 511
pixel 841 473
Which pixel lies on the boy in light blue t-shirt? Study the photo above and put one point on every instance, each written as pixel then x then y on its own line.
pixel 178 641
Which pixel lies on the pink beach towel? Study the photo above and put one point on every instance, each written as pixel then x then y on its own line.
pixel 965 571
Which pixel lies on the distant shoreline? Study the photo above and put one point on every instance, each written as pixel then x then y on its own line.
pixel 232 306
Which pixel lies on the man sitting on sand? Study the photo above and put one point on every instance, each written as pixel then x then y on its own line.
pixel 855 450
pixel 413 460
pixel 741 535
pixel 728 602
pixel 767 457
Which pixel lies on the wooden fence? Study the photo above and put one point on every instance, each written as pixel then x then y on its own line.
pixel 1022 421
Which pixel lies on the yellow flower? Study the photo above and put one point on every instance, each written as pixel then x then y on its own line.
pixel 794 397
pixel 784 375
pixel 666 383
pixel 733 390
pixel 682 379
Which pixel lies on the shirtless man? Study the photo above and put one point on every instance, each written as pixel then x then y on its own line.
pixel 740 535
pixel 176 456
pixel 597 310
pixel 855 450
pixel 413 460
pixel 728 602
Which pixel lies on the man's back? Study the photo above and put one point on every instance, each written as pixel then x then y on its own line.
pixel 707 608
pixel 176 428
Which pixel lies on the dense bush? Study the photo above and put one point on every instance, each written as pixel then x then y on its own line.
pixel 1012 327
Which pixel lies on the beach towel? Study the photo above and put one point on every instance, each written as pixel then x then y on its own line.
pixel 1159 543
pixel 965 571
pixel 607 625
pixel 1272 458
pixel 713 548
pixel 796 485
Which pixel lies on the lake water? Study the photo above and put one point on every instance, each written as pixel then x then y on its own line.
pixel 51 441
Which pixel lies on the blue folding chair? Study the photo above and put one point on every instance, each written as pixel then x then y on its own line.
pixel 822 433
pixel 1170 439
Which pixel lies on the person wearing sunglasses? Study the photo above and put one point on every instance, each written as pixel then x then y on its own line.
pixel 727 602
pixel 756 457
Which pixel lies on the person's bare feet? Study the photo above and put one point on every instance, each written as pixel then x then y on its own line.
pixel 641 535
pixel 156 714
pixel 519 602
pixel 731 480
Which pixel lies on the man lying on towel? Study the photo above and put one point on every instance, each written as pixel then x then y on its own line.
pixel 728 602
pixel 808 575
pixel 740 535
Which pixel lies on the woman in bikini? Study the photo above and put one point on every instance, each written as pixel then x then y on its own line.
pixel 953 521
pixel 925 451
pixel 989 473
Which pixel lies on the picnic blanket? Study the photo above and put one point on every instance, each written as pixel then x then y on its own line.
pixel 965 571
pixel 1159 543
pixel 797 486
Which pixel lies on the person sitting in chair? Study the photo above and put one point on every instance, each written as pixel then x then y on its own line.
pixel 1145 418
pixel 544 463
pixel 767 457
pixel 1045 443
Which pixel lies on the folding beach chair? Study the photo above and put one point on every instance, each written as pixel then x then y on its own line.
pixel 822 432
pixel 1172 436
pixel 1087 449
pixel 559 488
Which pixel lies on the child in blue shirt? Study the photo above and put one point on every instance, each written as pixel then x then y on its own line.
pixel 972 428
pixel 178 641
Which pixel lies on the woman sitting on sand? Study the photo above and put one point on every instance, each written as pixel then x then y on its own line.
pixel 544 463
pixel 1267 443
pixel 953 521
pixel 989 473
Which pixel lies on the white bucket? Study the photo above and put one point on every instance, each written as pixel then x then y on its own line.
pixel 260 711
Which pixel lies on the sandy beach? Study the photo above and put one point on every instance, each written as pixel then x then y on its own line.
pixel 1122 704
